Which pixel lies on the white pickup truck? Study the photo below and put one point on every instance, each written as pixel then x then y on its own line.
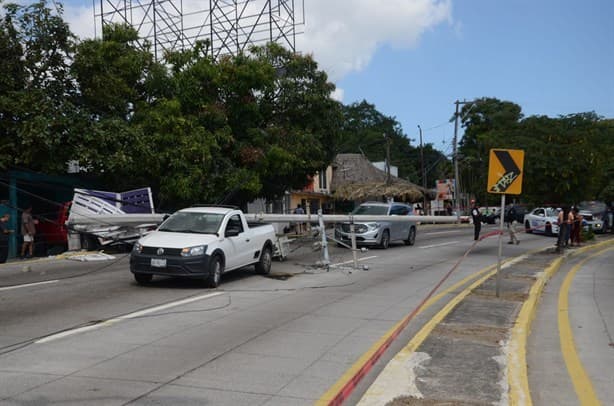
pixel 203 243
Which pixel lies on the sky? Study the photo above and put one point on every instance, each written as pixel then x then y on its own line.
pixel 413 58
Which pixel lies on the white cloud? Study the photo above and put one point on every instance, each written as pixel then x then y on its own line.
pixel 343 35
pixel 81 21
pixel 337 94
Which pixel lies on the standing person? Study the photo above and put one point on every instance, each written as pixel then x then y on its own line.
pixel 4 237
pixel 299 226
pixel 477 220
pixel 510 220
pixel 576 227
pixel 570 220
pixel 449 209
pixel 563 220
pixel 28 229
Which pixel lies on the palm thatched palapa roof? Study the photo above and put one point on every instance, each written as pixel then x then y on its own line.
pixel 355 178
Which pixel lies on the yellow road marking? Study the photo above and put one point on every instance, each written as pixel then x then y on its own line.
pixel 518 380
pixel 581 381
pixel 517 376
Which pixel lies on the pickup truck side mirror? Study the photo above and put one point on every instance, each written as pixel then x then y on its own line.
pixel 232 232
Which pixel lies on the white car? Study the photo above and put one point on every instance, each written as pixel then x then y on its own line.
pixel 542 220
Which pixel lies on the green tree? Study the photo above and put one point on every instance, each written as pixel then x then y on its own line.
pixel 116 81
pixel 565 157
pixel 242 126
pixel 488 123
pixel 36 99
pixel 365 130
pixel 605 139
pixel 12 83
pixel 300 120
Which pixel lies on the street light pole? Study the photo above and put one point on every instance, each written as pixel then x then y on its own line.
pixel 422 170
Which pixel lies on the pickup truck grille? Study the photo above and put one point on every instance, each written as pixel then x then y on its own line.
pixel 169 252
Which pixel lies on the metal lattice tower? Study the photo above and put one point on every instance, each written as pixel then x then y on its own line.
pixel 230 25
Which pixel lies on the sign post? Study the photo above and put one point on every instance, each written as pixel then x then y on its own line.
pixel 505 172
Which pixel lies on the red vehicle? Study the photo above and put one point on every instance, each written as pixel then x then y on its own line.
pixel 121 223
pixel 51 230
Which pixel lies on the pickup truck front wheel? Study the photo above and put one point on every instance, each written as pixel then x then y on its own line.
pixel 216 267
pixel 263 266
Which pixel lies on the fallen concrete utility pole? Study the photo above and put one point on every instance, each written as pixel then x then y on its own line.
pixel 339 218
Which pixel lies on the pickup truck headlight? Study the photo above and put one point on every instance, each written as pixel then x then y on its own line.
pixel 193 251
pixel 137 248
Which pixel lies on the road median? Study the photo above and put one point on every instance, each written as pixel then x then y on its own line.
pixel 473 351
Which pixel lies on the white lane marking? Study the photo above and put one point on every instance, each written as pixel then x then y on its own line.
pixel 439 245
pixel 350 261
pixel 27 285
pixel 140 313
pixel 446 232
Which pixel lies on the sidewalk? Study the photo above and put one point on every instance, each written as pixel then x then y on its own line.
pixel 473 351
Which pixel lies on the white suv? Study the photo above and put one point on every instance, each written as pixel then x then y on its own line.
pixel 379 233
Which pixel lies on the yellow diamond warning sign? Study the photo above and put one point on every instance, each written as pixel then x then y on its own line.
pixel 505 169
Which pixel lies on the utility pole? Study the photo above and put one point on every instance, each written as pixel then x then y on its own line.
pixel 455 153
pixel 455 156
pixel 422 170
pixel 388 176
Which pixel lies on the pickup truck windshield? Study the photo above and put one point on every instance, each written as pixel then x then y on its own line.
pixel 373 210
pixel 188 222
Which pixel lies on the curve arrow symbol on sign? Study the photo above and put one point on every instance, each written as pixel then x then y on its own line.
pixel 512 171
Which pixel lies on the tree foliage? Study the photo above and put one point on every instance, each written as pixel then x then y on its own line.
pixel 365 130
pixel 199 129
pixel 36 92
pixel 565 157
pixel 194 128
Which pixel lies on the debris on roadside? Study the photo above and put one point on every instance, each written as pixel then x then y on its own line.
pixel 91 257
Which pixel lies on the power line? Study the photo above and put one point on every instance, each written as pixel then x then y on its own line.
pixel 436 126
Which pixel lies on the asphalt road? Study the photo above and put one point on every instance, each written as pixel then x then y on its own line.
pixel 85 333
